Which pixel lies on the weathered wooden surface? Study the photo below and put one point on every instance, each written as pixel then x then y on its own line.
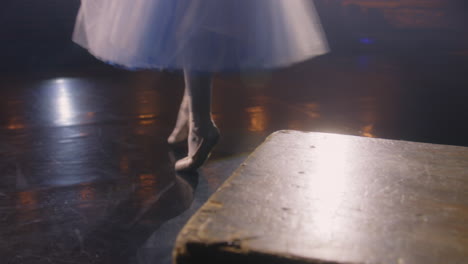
pixel 324 198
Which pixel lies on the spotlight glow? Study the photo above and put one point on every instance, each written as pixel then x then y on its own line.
pixel 64 106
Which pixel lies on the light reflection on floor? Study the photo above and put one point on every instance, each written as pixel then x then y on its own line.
pixel 85 166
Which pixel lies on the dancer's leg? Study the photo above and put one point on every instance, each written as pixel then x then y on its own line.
pixel 203 134
pixel 181 129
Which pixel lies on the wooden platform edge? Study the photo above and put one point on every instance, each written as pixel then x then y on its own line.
pixel 216 235
pixel 193 247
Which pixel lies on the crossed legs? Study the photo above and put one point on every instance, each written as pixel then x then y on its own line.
pixel 194 122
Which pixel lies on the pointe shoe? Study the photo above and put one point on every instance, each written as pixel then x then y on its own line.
pixel 202 153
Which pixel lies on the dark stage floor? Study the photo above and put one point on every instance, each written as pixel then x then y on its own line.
pixel 88 178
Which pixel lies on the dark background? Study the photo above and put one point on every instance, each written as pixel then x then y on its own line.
pixel 36 36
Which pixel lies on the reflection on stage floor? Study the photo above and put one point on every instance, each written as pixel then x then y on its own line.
pixel 87 175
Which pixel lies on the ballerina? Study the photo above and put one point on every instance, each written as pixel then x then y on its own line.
pixel 201 37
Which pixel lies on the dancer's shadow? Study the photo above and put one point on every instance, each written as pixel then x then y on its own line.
pixel 123 231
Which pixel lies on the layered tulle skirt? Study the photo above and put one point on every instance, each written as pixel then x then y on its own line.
pixel 203 35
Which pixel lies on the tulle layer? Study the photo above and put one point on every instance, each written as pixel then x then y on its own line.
pixel 203 35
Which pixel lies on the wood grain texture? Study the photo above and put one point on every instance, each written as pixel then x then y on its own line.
pixel 325 198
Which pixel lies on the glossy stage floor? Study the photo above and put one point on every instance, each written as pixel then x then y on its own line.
pixel 88 178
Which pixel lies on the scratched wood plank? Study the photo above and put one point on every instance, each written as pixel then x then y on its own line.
pixel 325 198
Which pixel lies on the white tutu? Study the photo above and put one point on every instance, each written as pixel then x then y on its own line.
pixel 203 35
